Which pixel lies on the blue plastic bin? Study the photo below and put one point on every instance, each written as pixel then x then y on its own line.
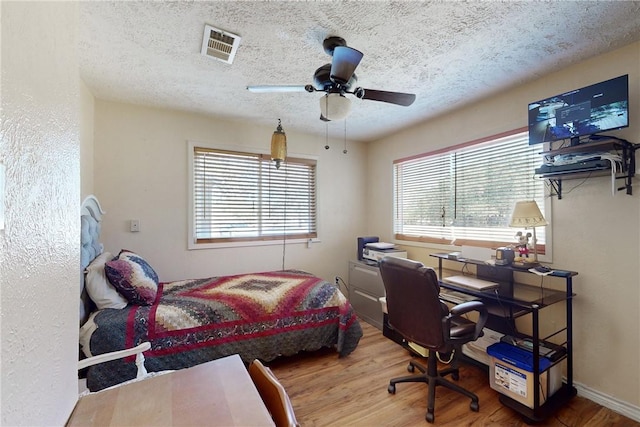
pixel 511 373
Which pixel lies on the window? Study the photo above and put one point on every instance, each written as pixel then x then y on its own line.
pixel 242 197
pixel 465 194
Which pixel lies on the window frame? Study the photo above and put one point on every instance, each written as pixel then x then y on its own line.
pixel 544 250
pixel 193 244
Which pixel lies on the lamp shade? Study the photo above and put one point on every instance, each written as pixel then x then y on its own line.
pixel 278 145
pixel 526 214
pixel 335 106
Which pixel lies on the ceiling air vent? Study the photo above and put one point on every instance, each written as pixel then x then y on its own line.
pixel 219 44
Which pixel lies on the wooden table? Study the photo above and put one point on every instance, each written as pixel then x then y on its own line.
pixel 217 393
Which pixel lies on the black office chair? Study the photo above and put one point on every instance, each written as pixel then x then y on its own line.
pixel 415 311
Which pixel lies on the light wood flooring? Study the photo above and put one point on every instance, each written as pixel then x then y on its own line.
pixel 352 391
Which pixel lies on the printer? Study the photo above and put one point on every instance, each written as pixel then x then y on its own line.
pixel 371 250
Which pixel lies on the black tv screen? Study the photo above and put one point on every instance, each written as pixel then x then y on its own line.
pixel 597 108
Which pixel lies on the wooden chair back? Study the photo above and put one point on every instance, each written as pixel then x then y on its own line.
pixel 273 395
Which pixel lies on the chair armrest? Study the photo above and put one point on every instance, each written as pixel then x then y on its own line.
pixel 467 307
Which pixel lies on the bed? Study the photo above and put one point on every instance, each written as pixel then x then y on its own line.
pixel 260 315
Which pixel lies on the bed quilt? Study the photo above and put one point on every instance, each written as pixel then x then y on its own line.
pixel 258 316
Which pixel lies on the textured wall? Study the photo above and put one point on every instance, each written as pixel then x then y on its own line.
pixel 39 247
pixel 86 141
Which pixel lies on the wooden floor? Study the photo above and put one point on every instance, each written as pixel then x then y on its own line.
pixel 352 391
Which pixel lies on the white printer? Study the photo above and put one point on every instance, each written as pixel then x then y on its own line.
pixel 375 251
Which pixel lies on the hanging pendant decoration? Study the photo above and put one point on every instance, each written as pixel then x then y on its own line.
pixel 278 145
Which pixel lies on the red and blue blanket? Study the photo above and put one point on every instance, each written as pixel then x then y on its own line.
pixel 258 316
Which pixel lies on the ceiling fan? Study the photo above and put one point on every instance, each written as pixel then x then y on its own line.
pixel 337 79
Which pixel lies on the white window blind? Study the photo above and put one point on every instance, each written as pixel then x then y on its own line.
pixel 242 196
pixel 467 194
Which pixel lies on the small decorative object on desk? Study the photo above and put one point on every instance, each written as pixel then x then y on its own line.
pixel 526 259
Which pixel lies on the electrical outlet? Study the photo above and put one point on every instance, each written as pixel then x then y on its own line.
pixel 336 280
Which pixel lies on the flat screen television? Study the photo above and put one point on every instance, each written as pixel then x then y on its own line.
pixel 582 112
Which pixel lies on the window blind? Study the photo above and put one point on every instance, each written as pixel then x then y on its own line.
pixel 242 196
pixel 466 194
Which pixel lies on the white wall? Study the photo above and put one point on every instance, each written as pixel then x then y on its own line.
pixel 141 173
pixel 87 114
pixel 39 248
pixel 594 233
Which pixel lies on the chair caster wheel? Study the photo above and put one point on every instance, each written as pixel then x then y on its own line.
pixel 411 368
pixel 475 406
pixel 430 417
pixel 391 389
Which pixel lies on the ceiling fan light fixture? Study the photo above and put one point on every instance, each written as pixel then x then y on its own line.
pixel 278 145
pixel 335 106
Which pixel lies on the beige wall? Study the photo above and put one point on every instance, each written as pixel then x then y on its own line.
pixel 86 140
pixel 594 233
pixel 39 249
pixel 141 173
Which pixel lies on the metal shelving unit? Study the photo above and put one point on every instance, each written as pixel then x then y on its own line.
pixel 625 148
pixel 512 300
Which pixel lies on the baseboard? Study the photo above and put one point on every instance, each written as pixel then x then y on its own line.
pixel 607 401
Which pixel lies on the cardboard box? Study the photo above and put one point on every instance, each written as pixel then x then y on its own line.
pixel 511 373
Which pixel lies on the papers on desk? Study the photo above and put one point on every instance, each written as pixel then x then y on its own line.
pixel 478 349
pixel 471 282
pixel 380 245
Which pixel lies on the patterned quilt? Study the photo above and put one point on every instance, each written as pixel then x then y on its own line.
pixel 261 315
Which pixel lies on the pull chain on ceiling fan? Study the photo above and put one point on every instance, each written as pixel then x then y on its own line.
pixel 336 80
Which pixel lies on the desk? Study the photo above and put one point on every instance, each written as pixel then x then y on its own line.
pixel 511 300
pixel 217 393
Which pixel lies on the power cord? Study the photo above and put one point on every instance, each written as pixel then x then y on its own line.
pixel 541 290
pixel 616 164
pixel 465 269
pixel 339 280
pixel 577 185
pixel 505 312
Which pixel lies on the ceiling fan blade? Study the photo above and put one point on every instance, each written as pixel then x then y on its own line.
pixel 345 61
pixel 276 88
pixel 398 98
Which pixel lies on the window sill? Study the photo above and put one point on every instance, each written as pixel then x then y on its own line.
pixel 197 246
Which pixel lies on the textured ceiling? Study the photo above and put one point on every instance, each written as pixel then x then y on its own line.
pixel 447 53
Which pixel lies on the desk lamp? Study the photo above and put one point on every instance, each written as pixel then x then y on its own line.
pixel 527 214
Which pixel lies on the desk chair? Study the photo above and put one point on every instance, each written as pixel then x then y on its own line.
pixel 416 312
pixel 273 395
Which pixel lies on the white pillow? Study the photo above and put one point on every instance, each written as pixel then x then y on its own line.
pixel 98 287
